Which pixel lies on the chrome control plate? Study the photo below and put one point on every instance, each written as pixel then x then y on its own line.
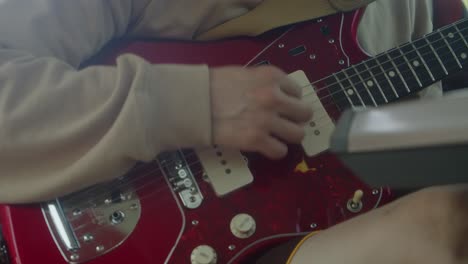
pixel 92 222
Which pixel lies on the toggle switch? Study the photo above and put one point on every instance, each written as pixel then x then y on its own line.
pixel 355 204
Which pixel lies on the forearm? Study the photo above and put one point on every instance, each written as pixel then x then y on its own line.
pixel 63 129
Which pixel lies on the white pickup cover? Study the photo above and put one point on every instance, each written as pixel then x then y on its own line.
pixel 227 170
pixel 319 129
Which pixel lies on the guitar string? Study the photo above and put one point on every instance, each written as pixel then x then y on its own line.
pixel 443 37
pixel 340 92
pixel 378 67
pixel 452 25
pixel 326 116
pixel 146 184
pixel 353 86
pixel 342 99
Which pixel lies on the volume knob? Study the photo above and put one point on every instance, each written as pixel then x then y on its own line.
pixel 203 254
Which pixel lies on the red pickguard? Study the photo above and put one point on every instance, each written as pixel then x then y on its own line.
pixel 283 202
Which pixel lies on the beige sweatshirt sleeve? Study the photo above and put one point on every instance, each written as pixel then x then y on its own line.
pixel 62 129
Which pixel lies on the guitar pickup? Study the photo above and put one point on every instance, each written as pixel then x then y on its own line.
pixel 227 170
pixel 318 130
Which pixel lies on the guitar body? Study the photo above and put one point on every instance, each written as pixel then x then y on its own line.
pixel 288 198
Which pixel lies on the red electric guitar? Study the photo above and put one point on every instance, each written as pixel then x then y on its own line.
pixel 213 206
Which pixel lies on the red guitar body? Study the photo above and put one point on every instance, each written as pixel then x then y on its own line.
pixel 284 201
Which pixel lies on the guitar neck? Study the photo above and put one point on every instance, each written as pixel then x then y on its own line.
pixel 402 71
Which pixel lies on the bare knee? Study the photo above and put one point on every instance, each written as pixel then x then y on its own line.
pixel 442 212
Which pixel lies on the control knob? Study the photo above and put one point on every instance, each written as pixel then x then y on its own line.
pixel 203 254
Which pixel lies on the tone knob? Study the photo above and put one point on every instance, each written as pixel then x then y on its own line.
pixel 203 254
pixel 243 226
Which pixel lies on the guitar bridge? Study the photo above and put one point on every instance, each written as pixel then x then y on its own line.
pixel 92 222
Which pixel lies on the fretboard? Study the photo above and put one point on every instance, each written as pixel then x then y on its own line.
pixel 402 71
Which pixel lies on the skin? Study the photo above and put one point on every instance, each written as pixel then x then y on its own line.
pixel 257 110
pixel 429 226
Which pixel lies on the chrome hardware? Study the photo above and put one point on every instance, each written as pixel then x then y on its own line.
pixel 74 257
pixel 354 207
pixel 4 259
pixel 232 247
pixel 341 62
pixel 355 204
pixel 195 222
pixel 92 222
pixel 313 56
pixel 331 41
pixel 77 212
pixel 313 225
pixel 281 46
pixel 181 179
pixel 117 217
pixel 59 221
pixel 88 238
pixel 100 248
pixel 375 192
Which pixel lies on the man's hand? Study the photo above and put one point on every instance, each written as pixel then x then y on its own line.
pixel 257 109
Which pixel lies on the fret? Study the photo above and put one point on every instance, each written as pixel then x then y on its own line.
pixel 387 77
pixel 349 89
pixel 436 55
pixel 370 83
pixel 432 58
pixel 415 64
pixel 399 72
pixel 457 43
pixel 397 83
pixel 359 86
pixel 443 51
pixel 376 82
pixel 459 33
pixel 424 62
pixel 404 65
pixel 450 48
pixel 384 83
pixel 341 100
